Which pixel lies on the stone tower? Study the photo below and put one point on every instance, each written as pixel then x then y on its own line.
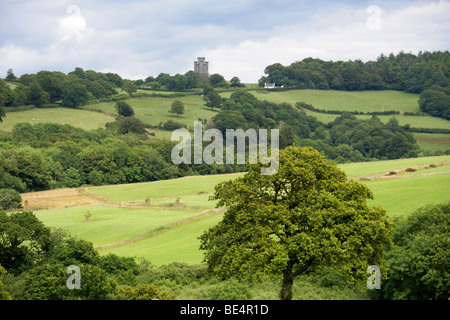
pixel 201 66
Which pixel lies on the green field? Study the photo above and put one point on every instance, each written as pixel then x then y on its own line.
pixel 111 224
pixel 163 189
pixel 75 117
pixel 400 195
pixel 433 142
pixel 367 169
pixel 155 111
pixel 365 101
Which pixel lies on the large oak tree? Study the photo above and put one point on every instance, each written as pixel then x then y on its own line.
pixel 306 216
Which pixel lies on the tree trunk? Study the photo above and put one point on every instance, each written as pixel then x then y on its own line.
pixel 286 288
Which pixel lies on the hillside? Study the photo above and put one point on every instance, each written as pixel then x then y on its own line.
pixel 166 229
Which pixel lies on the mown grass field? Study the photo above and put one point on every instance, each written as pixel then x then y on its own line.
pixel 111 224
pixel 400 195
pixel 155 111
pixel 365 101
pixel 75 117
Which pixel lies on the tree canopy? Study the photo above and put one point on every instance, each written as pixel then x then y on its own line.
pixel 306 216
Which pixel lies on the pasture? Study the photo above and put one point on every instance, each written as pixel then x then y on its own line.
pixel 365 101
pixel 167 228
pixel 75 117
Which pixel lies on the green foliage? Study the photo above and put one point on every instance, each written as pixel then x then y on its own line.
pixel 131 124
pixel 75 95
pixel 418 264
pixel 235 82
pixel 436 101
pixel 10 199
pixel 171 125
pixel 74 251
pixel 23 238
pixel 305 216
pixel 4 295
pixel 71 178
pixel 48 282
pixel 404 71
pixel 124 109
pixel 177 107
pixel 212 100
pixel 129 87
pixel 218 81
pixel 142 292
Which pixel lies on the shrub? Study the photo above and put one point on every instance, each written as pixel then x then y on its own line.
pixel 172 125
pixel 9 199
pixel 418 264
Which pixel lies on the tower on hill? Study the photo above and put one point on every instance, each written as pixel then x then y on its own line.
pixel 201 66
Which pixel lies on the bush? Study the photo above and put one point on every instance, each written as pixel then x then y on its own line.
pixel 172 125
pixel 10 199
pixel 418 264
pixel 131 124
pixel 142 292
pixel 124 109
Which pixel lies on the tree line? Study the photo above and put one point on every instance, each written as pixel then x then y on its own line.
pixel 345 139
pixel 47 156
pixel 403 71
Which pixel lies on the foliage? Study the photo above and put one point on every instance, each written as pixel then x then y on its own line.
pixel 129 87
pixel 131 124
pixel 403 71
pixel 177 107
pixel 75 95
pixel 4 295
pixel 23 238
pixel 436 101
pixel 10 199
pixel 305 216
pixel 124 109
pixel 48 282
pixel 418 263
pixel 142 292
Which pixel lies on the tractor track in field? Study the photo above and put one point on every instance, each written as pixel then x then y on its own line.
pixel 160 229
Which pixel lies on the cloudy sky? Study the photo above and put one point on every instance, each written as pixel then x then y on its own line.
pixel 137 39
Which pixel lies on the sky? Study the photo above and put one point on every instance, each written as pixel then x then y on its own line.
pixel 137 39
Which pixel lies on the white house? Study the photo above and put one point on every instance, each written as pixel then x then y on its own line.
pixel 269 85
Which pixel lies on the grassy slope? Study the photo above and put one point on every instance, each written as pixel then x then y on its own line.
pixel 75 117
pixel 366 101
pixel 110 224
pixel 161 189
pixel 155 111
pixel 400 195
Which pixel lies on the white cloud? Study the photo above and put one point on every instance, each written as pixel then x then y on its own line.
pixel 341 35
pixel 140 38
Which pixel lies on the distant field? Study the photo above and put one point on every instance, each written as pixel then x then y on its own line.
pixel 111 224
pixel 401 196
pixel 367 169
pixel 75 117
pixel 119 213
pixel 177 244
pixel 433 141
pixel 366 101
pixel 163 189
pixel 155 111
